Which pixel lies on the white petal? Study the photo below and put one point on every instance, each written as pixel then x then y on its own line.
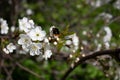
pixel 47 54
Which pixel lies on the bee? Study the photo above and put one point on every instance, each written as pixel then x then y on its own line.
pixel 54 34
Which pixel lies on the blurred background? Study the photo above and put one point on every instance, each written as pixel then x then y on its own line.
pixel 85 17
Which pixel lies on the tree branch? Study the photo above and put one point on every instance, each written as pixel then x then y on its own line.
pixel 114 52
pixel 28 70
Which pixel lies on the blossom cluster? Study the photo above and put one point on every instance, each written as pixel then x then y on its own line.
pixel 35 41
pixel 99 3
pixel 4 26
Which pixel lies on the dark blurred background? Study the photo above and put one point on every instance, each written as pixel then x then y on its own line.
pixel 79 15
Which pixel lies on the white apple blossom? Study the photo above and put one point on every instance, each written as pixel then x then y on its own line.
pixel 4 26
pixel 46 40
pixel 25 41
pixel 107 45
pixel 94 3
pixel 97 3
pixel 68 42
pixel 117 4
pixel 84 32
pixel 37 34
pixel 55 43
pixel 35 49
pixel 25 24
pixel 47 54
pixel 75 40
pixel 108 35
pixel 105 16
pixel 5 50
pixel 29 12
pixel 11 47
pixel 99 46
pixel 12 28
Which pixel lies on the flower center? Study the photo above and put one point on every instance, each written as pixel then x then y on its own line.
pixel 26 40
pixel 34 47
pixel 37 34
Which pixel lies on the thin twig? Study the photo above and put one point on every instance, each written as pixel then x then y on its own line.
pixel 4 36
pixel 28 70
pixel 115 19
pixel 20 66
pixel 8 73
pixel 114 52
